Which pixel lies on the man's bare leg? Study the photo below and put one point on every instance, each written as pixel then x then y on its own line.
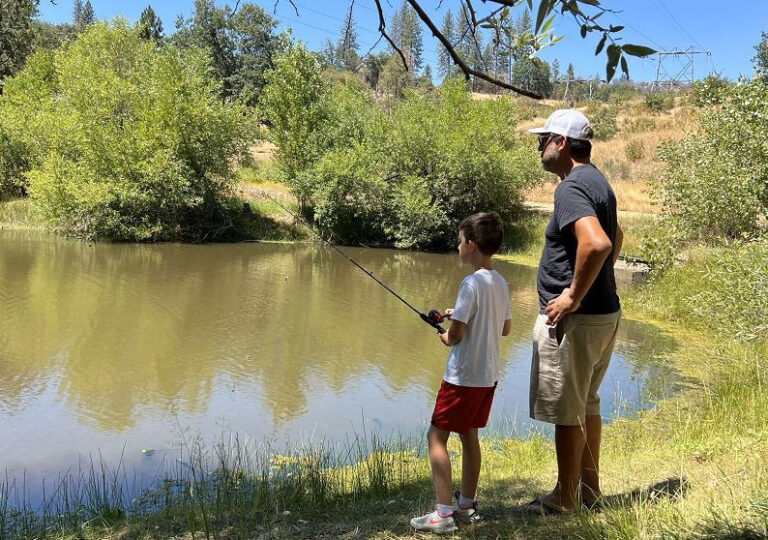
pixel 569 447
pixel 590 460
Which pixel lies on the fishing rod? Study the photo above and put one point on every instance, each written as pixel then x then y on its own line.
pixel 432 318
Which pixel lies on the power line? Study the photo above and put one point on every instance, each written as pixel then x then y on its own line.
pixel 677 23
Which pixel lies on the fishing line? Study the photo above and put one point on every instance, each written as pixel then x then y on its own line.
pixel 432 318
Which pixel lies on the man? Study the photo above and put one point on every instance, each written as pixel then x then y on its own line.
pixel 579 310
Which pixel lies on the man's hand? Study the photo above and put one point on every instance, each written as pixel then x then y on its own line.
pixel 445 339
pixel 448 313
pixel 559 307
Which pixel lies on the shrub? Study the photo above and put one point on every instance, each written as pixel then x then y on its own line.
pixel 616 169
pixel 603 122
pixel 659 101
pixel 709 91
pixel 126 142
pixel 715 183
pixel 635 150
pixel 408 177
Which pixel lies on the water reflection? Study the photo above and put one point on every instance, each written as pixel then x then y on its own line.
pixel 121 347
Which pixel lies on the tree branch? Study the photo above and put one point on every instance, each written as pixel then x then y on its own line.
pixel 458 60
pixel 383 32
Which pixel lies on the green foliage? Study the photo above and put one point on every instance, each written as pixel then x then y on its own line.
pixel 241 45
pixel 532 74
pixel 617 93
pixel 292 104
pixel 150 26
pixel 634 150
pixel 125 142
pixel 603 121
pixel 14 162
pixel 16 35
pixel 405 177
pixel 716 182
pixel 761 56
pixel 659 101
pixel 639 124
pixel 709 91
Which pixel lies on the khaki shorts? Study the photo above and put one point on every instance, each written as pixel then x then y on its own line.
pixel 569 363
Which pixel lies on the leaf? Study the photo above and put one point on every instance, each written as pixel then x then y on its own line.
pixel 544 8
pixel 624 66
pixel 595 3
pixel 616 28
pixel 601 44
pixel 583 31
pixel 547 24
pixel 637 50
pixel 487 25
pixel 614 53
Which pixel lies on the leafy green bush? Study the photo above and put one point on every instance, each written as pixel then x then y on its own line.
pixel 126 142
pixel 716 182
pixel 634 150
pixel 14 162
pixel 659 101
pixel 404 177
pixel 709 91
pixel 603 121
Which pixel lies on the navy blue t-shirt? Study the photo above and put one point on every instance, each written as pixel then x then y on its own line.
pixel 584 192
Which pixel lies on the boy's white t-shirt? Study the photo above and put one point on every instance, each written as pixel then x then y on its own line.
pixel 483 305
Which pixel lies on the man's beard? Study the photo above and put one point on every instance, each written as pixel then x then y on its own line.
pixel 550 159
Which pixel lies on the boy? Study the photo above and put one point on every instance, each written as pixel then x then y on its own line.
pixel 482 313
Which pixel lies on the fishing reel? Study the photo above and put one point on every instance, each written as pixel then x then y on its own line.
pixel 434 318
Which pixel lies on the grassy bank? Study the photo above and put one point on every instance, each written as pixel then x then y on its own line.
pixel 695 466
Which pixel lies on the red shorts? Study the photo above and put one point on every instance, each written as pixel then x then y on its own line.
pixel 461 408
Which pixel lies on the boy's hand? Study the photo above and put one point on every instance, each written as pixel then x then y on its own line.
pixel 448 313
pixel 445 339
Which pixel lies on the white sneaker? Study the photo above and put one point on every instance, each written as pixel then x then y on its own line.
pixel 434 522
pixel 465 515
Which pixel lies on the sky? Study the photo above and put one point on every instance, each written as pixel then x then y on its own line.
pixel 726 31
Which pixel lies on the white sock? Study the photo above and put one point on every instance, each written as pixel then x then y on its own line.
pixel 465 503
pixel 444 510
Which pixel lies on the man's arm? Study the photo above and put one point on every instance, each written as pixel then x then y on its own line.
pixel 592 248
pixel 619 242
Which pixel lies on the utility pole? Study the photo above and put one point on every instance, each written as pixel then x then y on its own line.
pixel 682 68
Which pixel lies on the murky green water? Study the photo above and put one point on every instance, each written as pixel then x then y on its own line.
pixel 111 349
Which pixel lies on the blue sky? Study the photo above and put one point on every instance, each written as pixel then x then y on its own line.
pixel 729 30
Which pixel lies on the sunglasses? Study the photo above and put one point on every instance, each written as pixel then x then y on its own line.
pixel 544 140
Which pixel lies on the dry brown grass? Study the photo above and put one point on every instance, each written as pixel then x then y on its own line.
pixel 629 171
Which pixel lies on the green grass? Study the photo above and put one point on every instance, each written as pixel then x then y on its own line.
pixel 694 466
pixel 17 213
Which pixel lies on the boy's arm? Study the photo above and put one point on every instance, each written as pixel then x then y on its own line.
pixel 454 333
pixel 507 327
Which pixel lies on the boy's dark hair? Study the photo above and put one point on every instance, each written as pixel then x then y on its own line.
pixel 484 229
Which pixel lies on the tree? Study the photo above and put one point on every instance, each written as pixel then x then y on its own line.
pixel 153 161
pixel 570 74
pixel 373 65
pixel 407 36
pixel 532 74
pixel 394 78
pixel 241 44
pixel 88 16
pixel 346 56
pixel 293 106
pixel 77 14
pixel 150 26
pixel 761 57
pixel 555 70
pixel 16 36
pixel 444 62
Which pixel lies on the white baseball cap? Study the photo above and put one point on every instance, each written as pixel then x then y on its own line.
pixel 568 122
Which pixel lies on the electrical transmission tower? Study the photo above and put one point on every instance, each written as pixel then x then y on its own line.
pixel 680 63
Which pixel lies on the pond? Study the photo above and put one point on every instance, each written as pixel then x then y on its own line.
pixel 109 350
